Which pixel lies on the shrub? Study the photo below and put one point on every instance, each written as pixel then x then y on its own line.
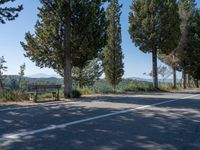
pixel 138 86
pixel 101 86
pixel 76 94
pixel 86 91
pixel 14 96
pixel 45 95
pixel 167 87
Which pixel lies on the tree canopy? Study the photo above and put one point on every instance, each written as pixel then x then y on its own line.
pixel 8 13
pixel 89 74
pixel 191 54
pixel 112 55
pixel 67 33
pixel 154 27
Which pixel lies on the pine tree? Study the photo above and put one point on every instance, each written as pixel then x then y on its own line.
pixel 155 28
pixel 8 13
pixel 68 33
pixel 112 55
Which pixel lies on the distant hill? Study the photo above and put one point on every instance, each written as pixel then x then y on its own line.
pixel 42 75
pixel 140 79
pixel 51 80
pixel 42 80
pixel 150 80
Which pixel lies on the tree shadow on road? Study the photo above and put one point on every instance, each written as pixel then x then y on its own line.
pixel 171 126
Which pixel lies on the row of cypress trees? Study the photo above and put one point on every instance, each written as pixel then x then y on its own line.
pixel 170 31
pixel 68 33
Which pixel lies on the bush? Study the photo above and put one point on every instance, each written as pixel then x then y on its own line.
pixel 76 94
pixel 101 86
pixel 138 86
pixel 45 95
pixel 167 87
pixel 86 91
pixel 13 96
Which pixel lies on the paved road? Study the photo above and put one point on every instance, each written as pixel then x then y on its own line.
pixel 156 121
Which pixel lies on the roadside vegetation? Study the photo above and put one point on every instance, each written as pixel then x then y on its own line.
pixel 82 40
pixel 99 87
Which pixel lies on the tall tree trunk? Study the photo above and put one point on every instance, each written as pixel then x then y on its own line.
pixel 68 60
pixel 68 78
pixel 184 79
pixel 155 68
pixel 174 76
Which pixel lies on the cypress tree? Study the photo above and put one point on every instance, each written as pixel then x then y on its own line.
pixel 67 33
pixel 186 11
pixel 155 28
pixel 8 13
pixel 191 55
pixel 112 56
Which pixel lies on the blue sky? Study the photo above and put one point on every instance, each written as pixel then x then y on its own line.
pixel 135 61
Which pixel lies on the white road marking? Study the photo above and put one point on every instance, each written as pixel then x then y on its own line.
pixel 53 127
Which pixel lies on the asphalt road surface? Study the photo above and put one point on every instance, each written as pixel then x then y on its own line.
pixel 154 121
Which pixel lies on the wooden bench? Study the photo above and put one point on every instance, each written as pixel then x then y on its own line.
pixel 39 89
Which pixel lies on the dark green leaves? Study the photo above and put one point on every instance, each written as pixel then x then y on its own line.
pixel 154 24
pixel 87 33
pixel 113 57
pixel 8 13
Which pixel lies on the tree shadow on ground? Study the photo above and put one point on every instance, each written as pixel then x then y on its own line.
pixel 171 126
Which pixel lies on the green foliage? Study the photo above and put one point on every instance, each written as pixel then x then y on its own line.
pixel 167 87
pixel 86 90
pixel 126 85
pixel 87 26
pixel 134 86
pixel 21 75
pixel 186 12
pixel 8 13
pixel 2 69
pixel 2 65
pixel 88 75
pixel 45 96
pixel 12 96
pixel 67 33
pixel 155 27
pixel 154 24
pixel 186 8
pixel 112 55
pixel 191 55
pixel 76 94
pixel 11 82
pixel 101 86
